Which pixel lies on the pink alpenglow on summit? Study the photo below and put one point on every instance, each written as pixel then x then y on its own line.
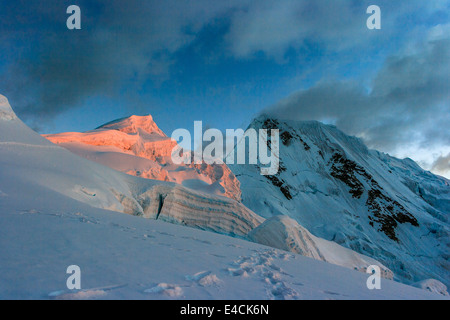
pixel 137 146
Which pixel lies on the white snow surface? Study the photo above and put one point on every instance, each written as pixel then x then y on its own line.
pixel 432 285
pixel 57 210
pixel 127 257
pixel 284 233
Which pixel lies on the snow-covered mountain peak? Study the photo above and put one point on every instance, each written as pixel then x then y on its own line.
pixel 365 200
pixel 135 135
pixel 134 125
pixel 136 146
pixel 322 135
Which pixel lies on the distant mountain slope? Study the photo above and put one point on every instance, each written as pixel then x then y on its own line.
pixel 136 146
pixel 339 190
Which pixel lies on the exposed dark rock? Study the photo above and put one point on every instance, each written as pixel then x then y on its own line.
pixel 385 211
pixel 388 213
pixel 281 184
pixel 344 170
pixel 270 124
pixel 286 138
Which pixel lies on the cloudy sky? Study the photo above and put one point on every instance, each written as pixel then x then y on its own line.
pixel 224 62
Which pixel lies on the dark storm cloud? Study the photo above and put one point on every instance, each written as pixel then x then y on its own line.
pixel 408 102
pixel 273 27
pixel 124 44
pixel 121 43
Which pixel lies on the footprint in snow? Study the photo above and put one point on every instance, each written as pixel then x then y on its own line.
pixel 234 246
pixel 86 294
pixel 281 291
pixel 203 241
pixel 31 211
pixel 262 265
pixel 332 293
pixel 166 234
pixel 170 290
pixel 165 244
pixel 87 220
pixel 286 256
pixel 237 272
pixel 198 240
pixel 80 295
pixel 204 279
pixel 217 255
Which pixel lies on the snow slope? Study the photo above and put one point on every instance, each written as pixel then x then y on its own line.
pixel 286 234
pixel 374 204
pixel 126 257
pixel 136 146
pixel 55 212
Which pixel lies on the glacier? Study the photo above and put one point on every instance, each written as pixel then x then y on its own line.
pixel 58 209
